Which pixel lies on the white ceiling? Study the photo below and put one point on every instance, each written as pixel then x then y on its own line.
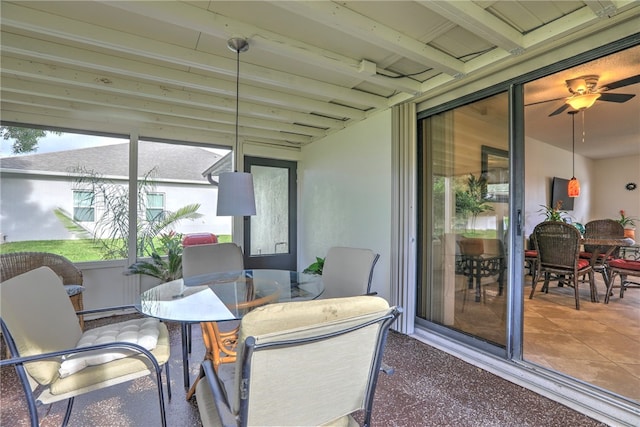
pixel 163 68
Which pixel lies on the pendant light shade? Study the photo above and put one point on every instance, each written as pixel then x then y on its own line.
pixel 573 188
pixel 235 189
pixel 235 194
pixel 580 102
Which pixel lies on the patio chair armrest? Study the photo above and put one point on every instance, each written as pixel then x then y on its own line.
pixel 219 396
pixel 101 310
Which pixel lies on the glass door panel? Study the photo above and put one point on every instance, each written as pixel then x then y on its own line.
pixel 464 183
pixel 270 235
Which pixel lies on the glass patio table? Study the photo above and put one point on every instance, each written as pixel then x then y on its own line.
pixel 224 296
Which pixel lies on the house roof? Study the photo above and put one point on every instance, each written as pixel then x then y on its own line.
pixel 179 162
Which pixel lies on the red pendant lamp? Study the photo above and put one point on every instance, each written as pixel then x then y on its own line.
pixel 573 188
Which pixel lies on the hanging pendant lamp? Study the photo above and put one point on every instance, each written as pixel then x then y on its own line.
pixel 235 189
pixel 573 188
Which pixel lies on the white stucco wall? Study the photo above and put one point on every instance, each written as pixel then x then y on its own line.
pixel 345 195
pixel 29 201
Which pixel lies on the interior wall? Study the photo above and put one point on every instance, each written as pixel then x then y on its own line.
pixel 610 195
pixel 602 184
pixel 345 195
pixel 543 162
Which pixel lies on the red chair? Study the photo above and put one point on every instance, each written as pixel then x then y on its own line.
pixel 622 268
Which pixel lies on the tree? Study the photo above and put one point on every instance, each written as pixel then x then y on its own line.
pixel 25 140
pixel 112 225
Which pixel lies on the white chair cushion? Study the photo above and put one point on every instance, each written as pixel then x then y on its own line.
pixel 143 332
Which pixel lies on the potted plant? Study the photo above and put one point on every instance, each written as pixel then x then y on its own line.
pixel 316 267
pixel 554 213
pixel 628 223
pixel 164 267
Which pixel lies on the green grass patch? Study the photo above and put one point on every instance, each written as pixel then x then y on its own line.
pixel 79 250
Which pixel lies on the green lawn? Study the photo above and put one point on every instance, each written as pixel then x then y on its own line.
pixel 75 250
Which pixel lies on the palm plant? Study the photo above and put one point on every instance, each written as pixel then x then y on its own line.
pixel 164 268
pixel 112 227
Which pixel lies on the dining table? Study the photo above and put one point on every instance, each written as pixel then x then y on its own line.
pixel 224 296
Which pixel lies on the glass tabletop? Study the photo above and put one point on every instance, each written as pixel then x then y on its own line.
pixel 226 296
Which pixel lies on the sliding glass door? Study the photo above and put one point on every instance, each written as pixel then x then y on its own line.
pixel 464 193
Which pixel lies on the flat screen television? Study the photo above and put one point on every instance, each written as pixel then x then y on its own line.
pixel 559 192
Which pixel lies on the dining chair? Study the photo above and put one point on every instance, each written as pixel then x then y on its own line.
pixel 348 271
pixel 16 263
pixel 623 268
pixel 220 344
pixel 55 359
pixel 602 228
pixel 558 246
pixel 300 364
pixel 531 258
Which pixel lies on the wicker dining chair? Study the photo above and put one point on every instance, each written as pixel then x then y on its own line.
pixel 599 228
pixel 623 268
pixel 14 264
pixel 558 246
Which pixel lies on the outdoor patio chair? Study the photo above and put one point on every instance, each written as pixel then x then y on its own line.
pixel 14 264
pixel 215 258
pixel 348 272
pixel 623 268
pixel 55 359
pixel 300 364
pixel 558 246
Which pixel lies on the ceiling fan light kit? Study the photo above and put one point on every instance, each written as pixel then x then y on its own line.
pixel 582 102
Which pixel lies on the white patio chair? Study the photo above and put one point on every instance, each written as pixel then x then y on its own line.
pixel 348 272
pixel 300 364
pixel 54 358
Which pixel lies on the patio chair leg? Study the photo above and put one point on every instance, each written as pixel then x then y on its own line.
pixel 67 413
pixel 166 371
pixel 163 413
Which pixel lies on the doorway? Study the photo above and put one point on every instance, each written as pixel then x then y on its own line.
pixel 270 236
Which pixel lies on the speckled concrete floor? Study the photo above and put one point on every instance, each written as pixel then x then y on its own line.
pixel 429 388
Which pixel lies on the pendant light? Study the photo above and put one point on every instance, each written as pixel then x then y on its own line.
pixel 573 188
pixel 235 189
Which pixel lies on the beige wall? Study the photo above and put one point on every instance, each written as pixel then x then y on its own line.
pixel 345 195
pixel 602 183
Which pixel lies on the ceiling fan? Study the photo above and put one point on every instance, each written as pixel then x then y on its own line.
pixel 585 92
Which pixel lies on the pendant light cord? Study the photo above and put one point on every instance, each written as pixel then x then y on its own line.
pixel 235 163
pixel 573 145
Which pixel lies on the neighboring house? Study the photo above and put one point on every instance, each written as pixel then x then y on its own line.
pixel 34 187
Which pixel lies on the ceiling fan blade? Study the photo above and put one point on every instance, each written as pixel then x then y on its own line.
pixel 615 97
pixel 559 110
pixel 624 82
pixel 546 100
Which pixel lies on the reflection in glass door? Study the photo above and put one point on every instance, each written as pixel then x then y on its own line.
pixel 463 222
pixel 270 235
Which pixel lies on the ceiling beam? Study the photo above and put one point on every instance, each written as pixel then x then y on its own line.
pixel 195 18
pixel 165 79
pixel 479 22
pixel 25 19
pixel 355 25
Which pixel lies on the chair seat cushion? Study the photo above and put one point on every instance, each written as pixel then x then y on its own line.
pixel 530 253
pixel 625 264
pixel 73 289
pixel 588 255
pixel 114 372
pixel 583 263
pixel 138 331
